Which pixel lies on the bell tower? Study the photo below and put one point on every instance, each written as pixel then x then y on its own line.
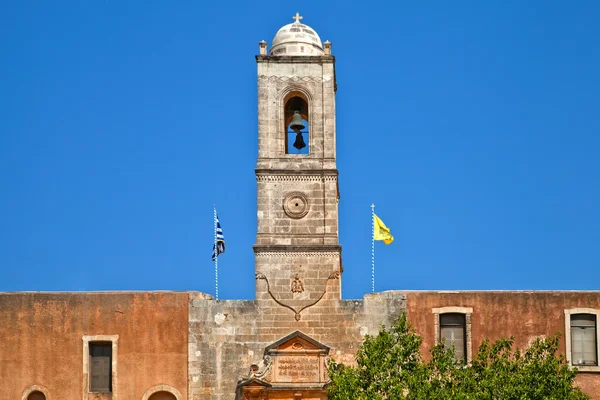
pixel 297 253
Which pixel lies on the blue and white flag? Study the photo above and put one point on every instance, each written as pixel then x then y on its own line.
pixel 219 246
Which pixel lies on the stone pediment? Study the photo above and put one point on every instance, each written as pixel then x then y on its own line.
pixel 254 383
pixel 296 342
pixel 296 362
pixel 252 389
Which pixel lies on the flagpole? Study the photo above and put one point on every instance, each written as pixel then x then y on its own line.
pixel 372 247
pixel 216 256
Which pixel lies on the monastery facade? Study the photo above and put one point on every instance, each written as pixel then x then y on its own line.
pixel 189 346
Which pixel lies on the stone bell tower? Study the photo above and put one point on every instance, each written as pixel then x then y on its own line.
pixel 297 253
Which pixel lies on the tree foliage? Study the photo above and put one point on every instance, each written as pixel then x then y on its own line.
pixel 390 366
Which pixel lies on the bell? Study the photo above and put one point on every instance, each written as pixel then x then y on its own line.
pixel 299 143
pixel 297 124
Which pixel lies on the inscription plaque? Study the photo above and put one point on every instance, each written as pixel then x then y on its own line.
pixel 297 369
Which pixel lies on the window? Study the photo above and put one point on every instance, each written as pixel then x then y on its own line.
pixel 100 367
pixel 581 338
pixel 453 331
pixel 453 325
pixel 100 356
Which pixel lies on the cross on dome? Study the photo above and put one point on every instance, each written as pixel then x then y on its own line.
pixel 296 39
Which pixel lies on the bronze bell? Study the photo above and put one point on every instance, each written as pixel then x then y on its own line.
pixel 297 124
pixel 299 143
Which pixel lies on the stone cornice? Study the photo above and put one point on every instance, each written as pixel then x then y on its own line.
pixel 296 59
pixel 300 172
pixel 294 249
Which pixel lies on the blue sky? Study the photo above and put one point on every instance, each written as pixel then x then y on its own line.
pixel 473 126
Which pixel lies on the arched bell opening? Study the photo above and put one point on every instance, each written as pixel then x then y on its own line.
pixel 296 121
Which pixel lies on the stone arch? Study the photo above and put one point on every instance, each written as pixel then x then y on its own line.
pixel 162 388
pixel 289 91
pixel 33 389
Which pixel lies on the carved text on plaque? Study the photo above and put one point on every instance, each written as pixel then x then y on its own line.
pixel 297 369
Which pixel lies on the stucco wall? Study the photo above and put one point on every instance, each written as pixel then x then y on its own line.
pixel 41 341
pixel 524 315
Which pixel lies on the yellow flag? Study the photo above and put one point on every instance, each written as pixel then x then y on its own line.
pixel 382 232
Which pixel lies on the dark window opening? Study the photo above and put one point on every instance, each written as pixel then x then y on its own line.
pixel 584 349
pixel 453 332
pixel 162 396
pixel 101 367
pixel 37 395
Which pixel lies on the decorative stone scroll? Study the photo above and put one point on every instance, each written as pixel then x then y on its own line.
pixel 260 276
pixel 295 364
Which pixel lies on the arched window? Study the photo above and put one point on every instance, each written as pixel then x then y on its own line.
pixel 296 122
pixel 162 396
pixel 37 395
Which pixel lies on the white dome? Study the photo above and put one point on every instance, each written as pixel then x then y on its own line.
pixel 296 39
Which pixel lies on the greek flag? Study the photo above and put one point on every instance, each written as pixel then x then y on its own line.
pixel 219 246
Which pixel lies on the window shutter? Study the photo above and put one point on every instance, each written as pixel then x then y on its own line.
pixel 100 367
pixel 576 345
pixel 454 335
pixel 452 329
pixel 589 345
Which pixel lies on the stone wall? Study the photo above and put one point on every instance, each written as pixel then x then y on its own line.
pixel 227 337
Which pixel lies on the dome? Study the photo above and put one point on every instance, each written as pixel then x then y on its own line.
pixel 296 39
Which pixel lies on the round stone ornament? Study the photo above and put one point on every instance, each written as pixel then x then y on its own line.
pixel 295 205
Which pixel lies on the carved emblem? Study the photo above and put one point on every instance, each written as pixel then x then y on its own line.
pixel 297 285
pixel 297 346
pixel 295 205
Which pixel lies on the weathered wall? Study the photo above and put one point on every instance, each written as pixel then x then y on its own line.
pixel 226 337
pixel 42 340
pixel 524 315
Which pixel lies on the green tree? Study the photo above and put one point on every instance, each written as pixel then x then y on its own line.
pixel 390 366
